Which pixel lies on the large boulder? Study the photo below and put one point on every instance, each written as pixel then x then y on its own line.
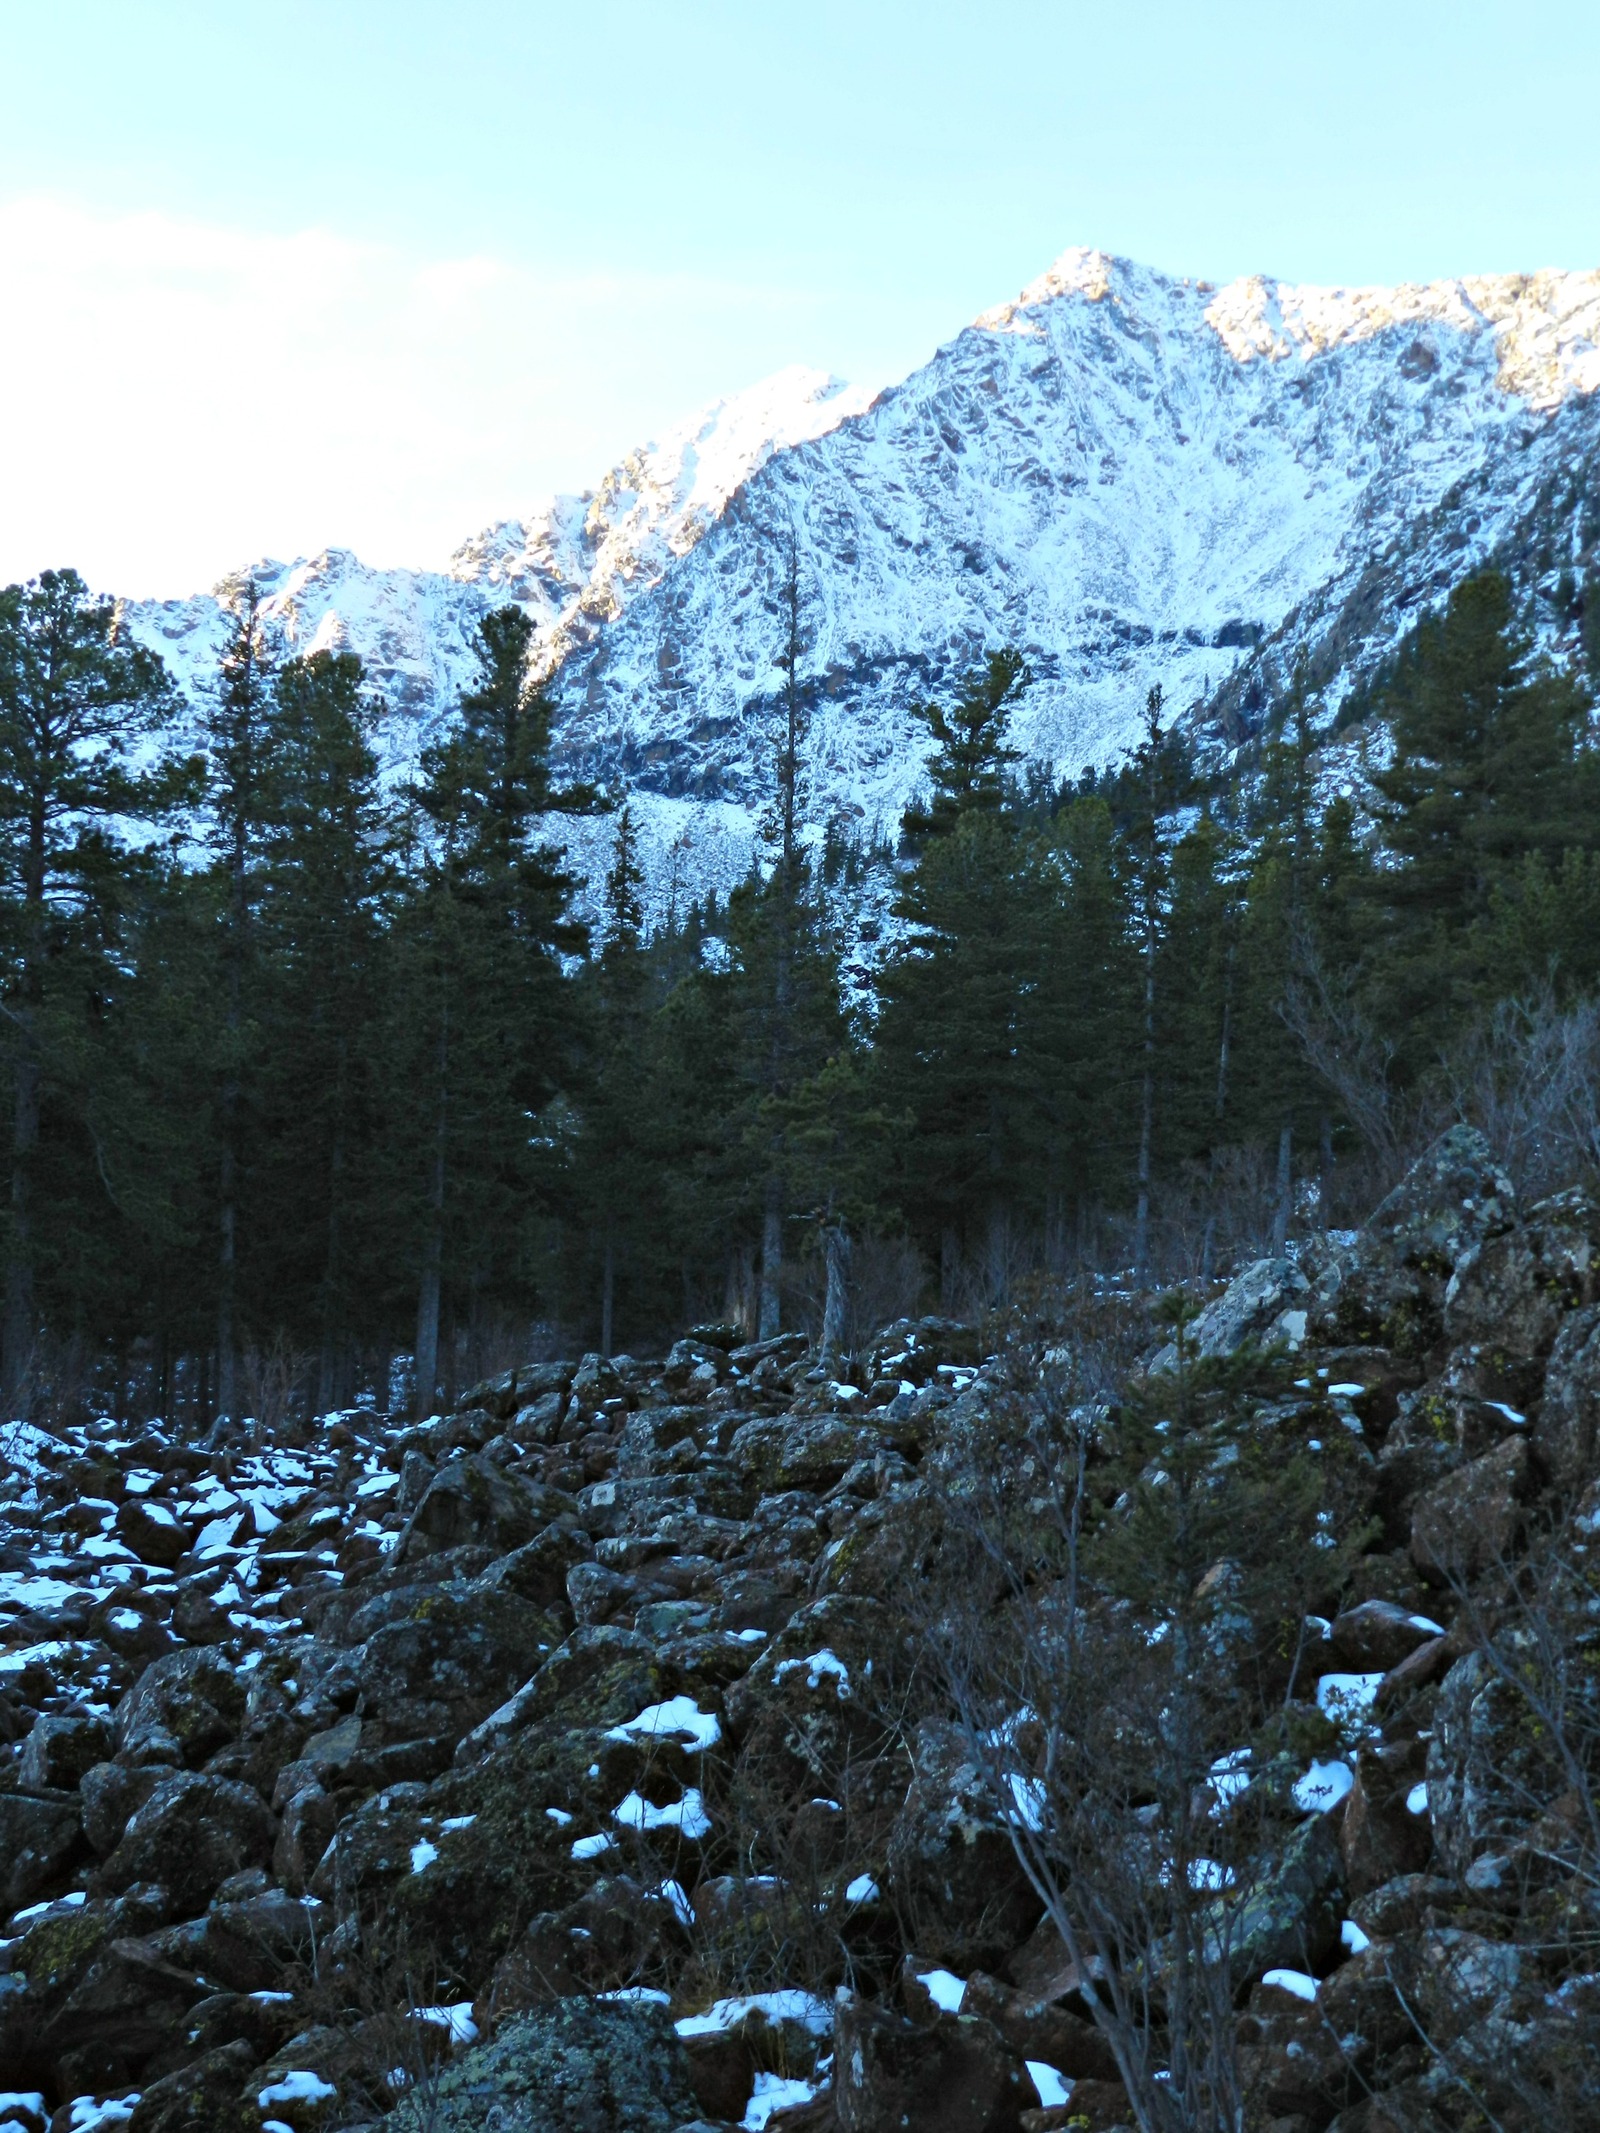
pixel 1382 1833
pixel 1469 1520
pixel 191 1834
pixel 1261 1306
pixel 812 1453
pixel 891 2074
pixel 471 1501
pixel 953 1868
pixel 207 2096
pixel 449 1656
pixel 181 1710
pixel 39 1834
pixel 576 2067
pixel 1566 1435
pixel 1491 1765
pixel 1388 1288
pixel 61 1748
pixel 1511 1292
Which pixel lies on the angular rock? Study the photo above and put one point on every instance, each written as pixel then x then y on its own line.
pixel 1379 1835
pixel 576 2067
pixel 1263 1305
pixel 154 1533
pixel 471 1501
pixel 1566 1434
pixel 891 2074
pixel 450 1658
pixel 39 1833
pixel 109 1793
pixel 181 1709
pixel 951 1861
pixel 59 1750
pixel 1469 1520
pixel 208 2096
pixel 1377 1635
pixel 190 1835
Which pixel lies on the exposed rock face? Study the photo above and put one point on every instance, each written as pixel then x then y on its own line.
pixel 613 1683
pixel 1333 456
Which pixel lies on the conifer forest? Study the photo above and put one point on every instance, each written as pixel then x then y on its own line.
pixel 321 1087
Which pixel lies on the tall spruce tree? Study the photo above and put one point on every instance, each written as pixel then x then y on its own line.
pixel 487 926
pixel 327 879
pixel 237 723
pixel 75 699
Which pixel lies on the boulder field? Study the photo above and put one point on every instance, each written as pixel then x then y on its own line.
pixel 581 1759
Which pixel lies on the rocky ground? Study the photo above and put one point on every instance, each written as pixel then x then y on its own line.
pixel 582 1759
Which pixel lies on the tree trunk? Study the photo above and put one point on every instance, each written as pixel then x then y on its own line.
pixel 608 1293
pixel 771 1265
pixel 1285 1196
pixel 227 1261
pixel 19 1327
pixel 949 1269
pixel 836 1303
pixel 1147 1114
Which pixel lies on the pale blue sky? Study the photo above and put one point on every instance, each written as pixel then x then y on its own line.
pixel 377 273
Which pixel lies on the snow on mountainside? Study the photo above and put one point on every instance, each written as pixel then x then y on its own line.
pixel 573 564
pixel 1134 478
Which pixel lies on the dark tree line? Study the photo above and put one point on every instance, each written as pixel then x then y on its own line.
pixel 307 1075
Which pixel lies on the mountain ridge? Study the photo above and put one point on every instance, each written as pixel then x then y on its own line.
pixel 1132 476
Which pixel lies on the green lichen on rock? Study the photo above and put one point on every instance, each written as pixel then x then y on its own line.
pixel 575 2067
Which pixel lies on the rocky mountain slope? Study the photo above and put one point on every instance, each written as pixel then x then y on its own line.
pixel 585 1757
pixel 1134 478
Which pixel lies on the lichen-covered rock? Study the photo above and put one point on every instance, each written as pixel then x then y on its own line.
pixel 1263 1305
pixel 1511 1292
pixel 471 1500
pixel 1469 1520
pixel 952 1864
pixel 450 1655
pixel 575 2067
pixel 61 1748
pixel 812 1453
pixel 1388 1288
pixel 957 2076
pixel 1566 1435
pixel 190 1835
pixel 208 2096
pixel 38 1835
pixel 1491 1765
pixel 181 1709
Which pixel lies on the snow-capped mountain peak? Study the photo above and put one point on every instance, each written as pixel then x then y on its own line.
pixel 1130 476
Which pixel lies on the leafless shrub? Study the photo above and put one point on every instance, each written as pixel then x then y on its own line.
pixel 1528 1077
pixel 273 1383
pixel 1130 1706
pixel 1350 1057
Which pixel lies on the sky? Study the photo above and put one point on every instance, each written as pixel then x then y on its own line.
pixel 376 273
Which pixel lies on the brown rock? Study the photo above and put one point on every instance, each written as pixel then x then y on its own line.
pixel 154 1533
pixel 890 2075
pixel 1378 1635
pixel 1379 1836
pixel 1470 1519
pixel 208 2097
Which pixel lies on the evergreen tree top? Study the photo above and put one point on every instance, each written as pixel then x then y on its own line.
pixel 968 770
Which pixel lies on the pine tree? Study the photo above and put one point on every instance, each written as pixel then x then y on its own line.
pixel 1485 772
pixel 75 700
pixel 485 931
pixel 969 767
pixel 237 732
pixel 326 882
